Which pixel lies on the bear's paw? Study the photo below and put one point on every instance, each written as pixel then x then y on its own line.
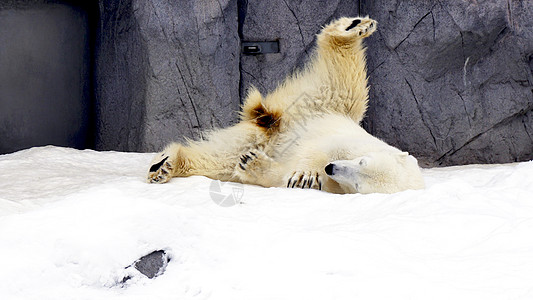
pixel 362 27
pixel 161 171
pixel 246 160
pixel 346 29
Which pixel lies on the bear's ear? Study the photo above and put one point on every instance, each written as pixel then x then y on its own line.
pixel 402 156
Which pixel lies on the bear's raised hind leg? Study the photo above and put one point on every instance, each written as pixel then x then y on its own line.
pixel 342 61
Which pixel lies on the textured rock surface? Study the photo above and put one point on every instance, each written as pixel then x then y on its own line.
pixel 165 69
pixel 451 81
pixel 121 79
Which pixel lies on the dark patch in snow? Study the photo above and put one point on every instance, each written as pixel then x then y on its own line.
pixel 150 265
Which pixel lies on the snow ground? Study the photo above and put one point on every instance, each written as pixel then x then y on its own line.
pixel 71 221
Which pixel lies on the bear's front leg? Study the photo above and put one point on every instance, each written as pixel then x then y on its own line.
pixel 196 159
pixel 214 156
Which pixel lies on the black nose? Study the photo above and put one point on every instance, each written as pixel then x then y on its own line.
pixel 329 169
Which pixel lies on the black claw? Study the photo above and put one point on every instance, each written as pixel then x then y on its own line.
pixel 289 183
pixel 311 183
pixel 242 167
pixel 253 154
pixel 301 178
pixel 320 185
pixel 305 182
pixel 245 158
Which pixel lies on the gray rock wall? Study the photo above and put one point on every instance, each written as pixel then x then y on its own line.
pixel 451 81
pixel 165 69
pixel 121 79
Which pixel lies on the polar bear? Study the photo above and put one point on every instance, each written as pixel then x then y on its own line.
pixel 304 134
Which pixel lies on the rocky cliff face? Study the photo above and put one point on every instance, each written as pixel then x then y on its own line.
pixel 165 69
pixel 451 82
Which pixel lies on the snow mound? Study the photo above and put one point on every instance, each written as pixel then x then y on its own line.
pixel 72 221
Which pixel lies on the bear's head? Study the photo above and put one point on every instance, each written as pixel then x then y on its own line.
pixel 377 172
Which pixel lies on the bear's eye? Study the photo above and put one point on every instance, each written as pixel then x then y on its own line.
pixel 362 162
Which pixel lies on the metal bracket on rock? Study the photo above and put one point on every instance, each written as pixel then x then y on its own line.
pixel 255 48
